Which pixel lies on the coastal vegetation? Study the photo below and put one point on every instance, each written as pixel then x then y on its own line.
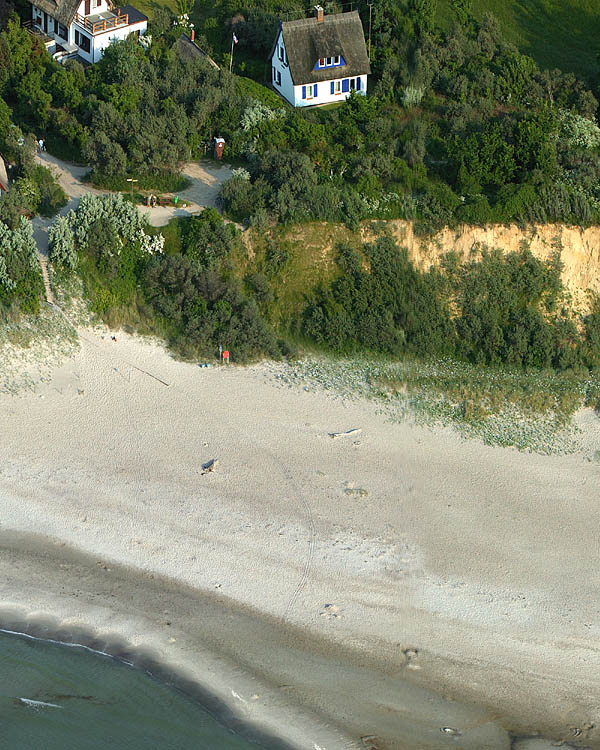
pixel 487 344
pixel 200 284
pixel 20 276
pixel 459 127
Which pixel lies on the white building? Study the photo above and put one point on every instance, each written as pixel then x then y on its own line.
pixel 321 59
pixel 84 27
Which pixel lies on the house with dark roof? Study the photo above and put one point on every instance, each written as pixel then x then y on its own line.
pixel 321 59
pixel 84 27
pixel 187 49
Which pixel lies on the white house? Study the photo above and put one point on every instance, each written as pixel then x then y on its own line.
pixel 84 27
pixel 321 59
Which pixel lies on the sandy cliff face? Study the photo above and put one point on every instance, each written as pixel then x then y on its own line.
pixel 579 248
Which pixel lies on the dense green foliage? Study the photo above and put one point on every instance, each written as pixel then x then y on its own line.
pixel 33 187
pixel 136 111
pixel 491 309
pixel 189 296
pixel 20 277
pixel 459 125
pixel 494 309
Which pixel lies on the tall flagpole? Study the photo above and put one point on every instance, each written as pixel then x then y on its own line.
pixel 231 57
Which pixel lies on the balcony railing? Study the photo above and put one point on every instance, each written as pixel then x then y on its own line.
pixel 35 30
pixel 103 24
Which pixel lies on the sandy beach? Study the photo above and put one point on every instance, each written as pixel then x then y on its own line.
pixel 398 587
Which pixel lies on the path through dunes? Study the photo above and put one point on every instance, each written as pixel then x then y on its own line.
pixel 206 179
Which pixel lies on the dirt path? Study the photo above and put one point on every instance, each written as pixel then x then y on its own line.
pixel 206 179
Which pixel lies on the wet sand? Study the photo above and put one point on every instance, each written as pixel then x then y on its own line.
pixel 382 586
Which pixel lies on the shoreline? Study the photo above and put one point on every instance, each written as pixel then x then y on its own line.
pixel 273 723
pixel 384 586
pixel 209 677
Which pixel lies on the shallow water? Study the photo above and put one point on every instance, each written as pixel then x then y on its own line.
pixel 97 702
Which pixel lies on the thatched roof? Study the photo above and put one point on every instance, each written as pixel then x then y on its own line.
pixel 63 10
pixel 307 40
pixel 189 50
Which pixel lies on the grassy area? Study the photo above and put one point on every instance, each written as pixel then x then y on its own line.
pixel 149 7
pixel 294 259
pixel 556 33
pixel 248 87
pixel 530 411
pixel 161 183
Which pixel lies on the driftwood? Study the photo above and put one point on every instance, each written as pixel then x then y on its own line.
pixel 210 465
pixel 348 433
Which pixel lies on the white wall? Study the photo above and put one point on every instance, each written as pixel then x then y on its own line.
pixel 286 89
pixel 293 94
pixel 324 95
pixel 102 5
pixel 101 41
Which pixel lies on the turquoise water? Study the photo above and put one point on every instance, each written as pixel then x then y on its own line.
pixel 99 704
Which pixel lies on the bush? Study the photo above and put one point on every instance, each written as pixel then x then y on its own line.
pixel 21 283
pixel 62 243
pixel 51 196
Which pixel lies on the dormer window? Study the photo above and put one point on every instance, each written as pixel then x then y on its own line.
pixel 330 62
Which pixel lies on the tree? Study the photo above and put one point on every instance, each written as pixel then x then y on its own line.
pixel 105 155
pixel 423 13
pixel 463 11
pixel 5 123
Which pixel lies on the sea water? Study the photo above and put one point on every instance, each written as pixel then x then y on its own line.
pixel 59 697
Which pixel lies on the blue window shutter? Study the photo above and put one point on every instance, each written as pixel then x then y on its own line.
pixel 358 83
pixel 332 87
pixel 304 92
pixel 315 90
pixel 342 61
pixel 346 85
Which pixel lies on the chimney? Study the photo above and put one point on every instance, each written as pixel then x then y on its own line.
pixel 319 13
pixel 193 34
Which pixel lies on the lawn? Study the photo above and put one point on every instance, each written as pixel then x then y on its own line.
pixel 149 7
pixel 556 33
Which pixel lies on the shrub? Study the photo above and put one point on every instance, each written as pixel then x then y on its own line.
pixel 20 275
pixel 51 196
pixel 62 243
pixel 412 96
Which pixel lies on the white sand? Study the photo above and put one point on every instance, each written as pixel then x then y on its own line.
pixel 466 569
